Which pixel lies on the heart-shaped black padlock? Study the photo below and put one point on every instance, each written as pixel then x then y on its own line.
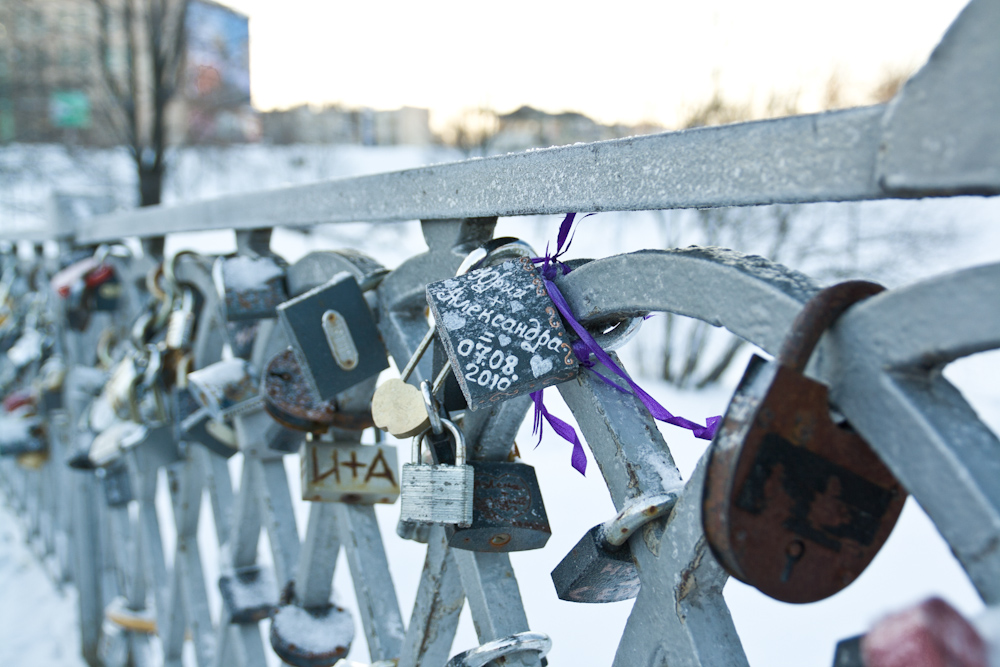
pixel 795 504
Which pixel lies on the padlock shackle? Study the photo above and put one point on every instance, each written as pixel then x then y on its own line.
pixel 456 433
pixel 486 653
pixel 617 531
pixel 818 315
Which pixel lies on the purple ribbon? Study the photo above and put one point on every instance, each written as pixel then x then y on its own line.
pixel 587 346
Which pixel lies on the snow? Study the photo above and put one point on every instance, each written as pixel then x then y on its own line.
pixel 915 563
pixel 320 632
pixel 37 620
pixel 245 273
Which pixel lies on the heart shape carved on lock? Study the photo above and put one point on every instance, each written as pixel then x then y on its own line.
pixel 540 366
pixel 398 408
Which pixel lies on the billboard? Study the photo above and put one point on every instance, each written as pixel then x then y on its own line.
pixel 216 71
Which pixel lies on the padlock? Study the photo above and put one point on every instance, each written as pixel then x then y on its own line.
pixel 508 513
pixel 64 281
pixel 398 407
pixel 180 324
pixel 226 387
pixel 437 493
pixel 29 347
pixel 151 401
pixel 103 288
pixel 600 567
pixel 795 504
pixel 118 394
pixel 348 473
pixel 69 284
pixel 501 332
pixel 495 652
pixel 21 434
pixel 334 337
pixel 249 594
pixel 242 335
pixel 250 287
pixel 314 637
pixel 315 269
pixel 194 423
pixel 289 400
pixel 117 486
pixel 108 445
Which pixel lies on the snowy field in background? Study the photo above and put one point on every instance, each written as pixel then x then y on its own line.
pixel 37 623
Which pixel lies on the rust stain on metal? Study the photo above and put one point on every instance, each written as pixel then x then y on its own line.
pixel 288 399
pixel 689 579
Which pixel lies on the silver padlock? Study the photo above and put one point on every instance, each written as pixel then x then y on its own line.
pixel 437 493
pixel 180 325
pixel 600 568
pixel 495 652
pixel 226 388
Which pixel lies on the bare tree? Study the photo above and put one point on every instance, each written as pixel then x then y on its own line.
pixel 141 47
pixel 472 130
pixel 695 354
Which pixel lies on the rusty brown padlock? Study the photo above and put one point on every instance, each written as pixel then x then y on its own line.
pixel 795 504
pixel 289 400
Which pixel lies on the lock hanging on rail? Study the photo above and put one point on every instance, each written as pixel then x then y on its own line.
pixel 250 288
pixel 437 493
pixel 289 400
pixel 226 388
pixel 600 568
pixel 795 504
pixel 501 332
pixel 334 336
pixel 508 513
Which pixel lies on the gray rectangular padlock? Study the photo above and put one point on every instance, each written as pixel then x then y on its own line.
pixel 334 336
pixel 437 493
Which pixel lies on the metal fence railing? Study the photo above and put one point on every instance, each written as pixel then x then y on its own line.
pixel 98 364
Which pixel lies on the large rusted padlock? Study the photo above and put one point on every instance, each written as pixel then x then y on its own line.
pixel 796 504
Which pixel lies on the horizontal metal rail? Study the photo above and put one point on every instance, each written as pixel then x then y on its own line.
pixel 822 157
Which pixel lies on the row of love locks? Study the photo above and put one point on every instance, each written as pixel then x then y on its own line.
pixel 128 367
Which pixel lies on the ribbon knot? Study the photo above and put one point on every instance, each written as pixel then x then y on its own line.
pixel 583 349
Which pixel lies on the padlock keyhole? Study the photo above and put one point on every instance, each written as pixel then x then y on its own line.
pixel 793 554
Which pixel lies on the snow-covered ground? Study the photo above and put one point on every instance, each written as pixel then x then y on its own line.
pixel 914 564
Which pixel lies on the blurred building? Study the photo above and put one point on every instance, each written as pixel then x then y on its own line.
pixel 52 88
pixel 528 127
pixel 336 124
pixel 48 72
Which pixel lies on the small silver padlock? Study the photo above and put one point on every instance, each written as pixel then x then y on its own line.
pixel 437 493
pixel 180 325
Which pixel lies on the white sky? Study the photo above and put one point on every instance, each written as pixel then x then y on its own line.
pixel 626 61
